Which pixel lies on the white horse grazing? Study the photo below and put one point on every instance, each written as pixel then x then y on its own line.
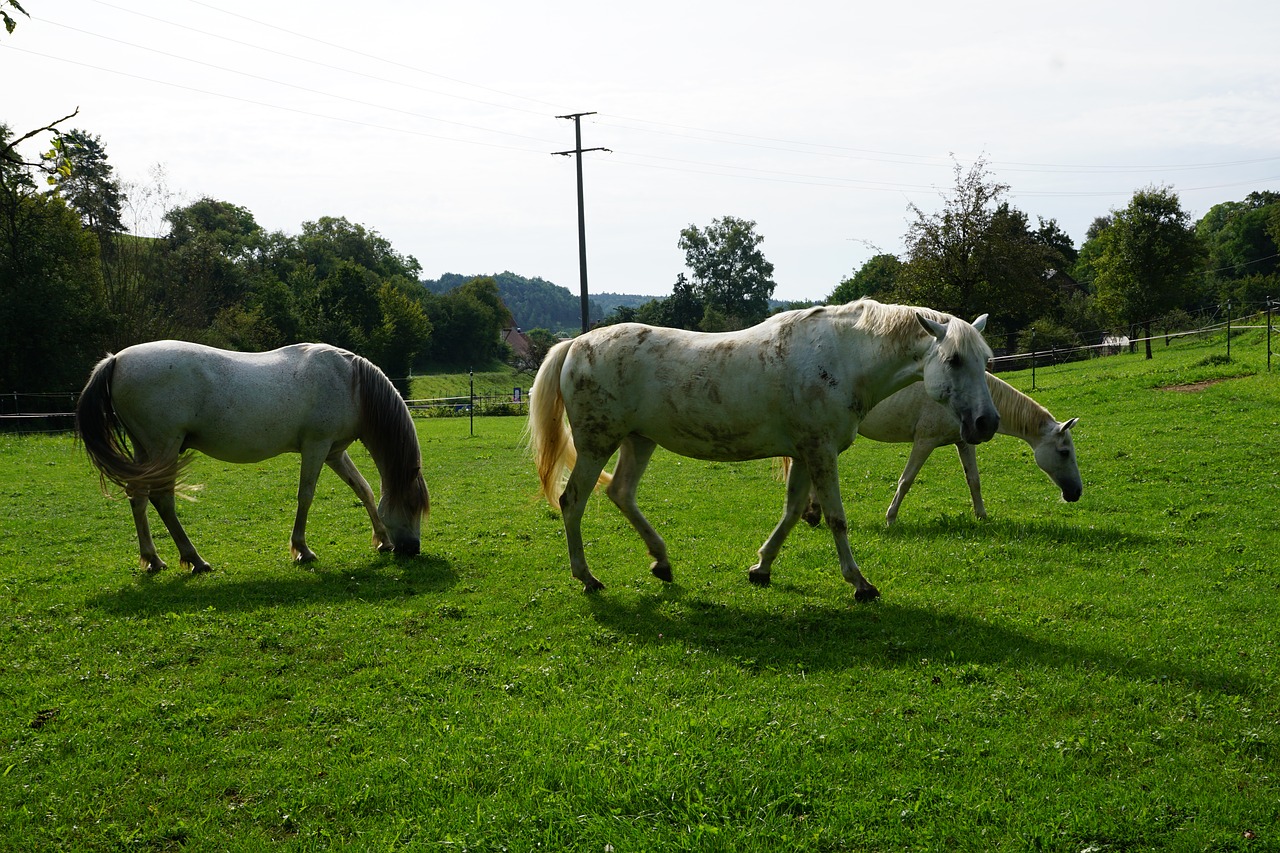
pixel 796 385
pixel 168 397
pixel 909 416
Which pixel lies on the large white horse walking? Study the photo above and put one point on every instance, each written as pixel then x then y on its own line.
pixel 909 416
pixel 795 385
pixel 169 397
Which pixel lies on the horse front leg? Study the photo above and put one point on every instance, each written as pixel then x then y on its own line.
pixel 342 465
pixel 188 557
pixel 919 454
pixel 826 482
pixel 573 502
pixel 147 555
pixel 798 484
pixel 969 459
pixel 313 458
pixel 633 458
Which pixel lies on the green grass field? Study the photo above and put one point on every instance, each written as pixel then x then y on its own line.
pixel 1099 676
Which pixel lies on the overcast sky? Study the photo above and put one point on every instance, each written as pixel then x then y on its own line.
pixel 434 123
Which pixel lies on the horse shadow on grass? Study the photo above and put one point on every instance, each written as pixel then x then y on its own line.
pixel 1047 531
pixel 378 577
pixel 817 637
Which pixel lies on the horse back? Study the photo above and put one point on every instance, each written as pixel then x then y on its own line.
pixel 736 395
pixel 239 407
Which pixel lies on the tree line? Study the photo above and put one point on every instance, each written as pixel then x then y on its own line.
pixel 1142 267
pixel 75 283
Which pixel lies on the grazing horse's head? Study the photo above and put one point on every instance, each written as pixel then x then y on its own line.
pixel 955 374
pixel 1056 456
pixel 402 511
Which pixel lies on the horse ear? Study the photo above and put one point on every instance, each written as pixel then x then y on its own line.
pixel 938 330
pixel 980 323
pixel 1068 425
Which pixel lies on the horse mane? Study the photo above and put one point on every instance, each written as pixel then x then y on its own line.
pixel 387 430
pixel 898 324
pixel 1019 414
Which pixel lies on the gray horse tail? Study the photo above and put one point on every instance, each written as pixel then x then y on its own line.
pixel 106 440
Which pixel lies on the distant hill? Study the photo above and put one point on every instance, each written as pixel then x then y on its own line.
pixel 535 303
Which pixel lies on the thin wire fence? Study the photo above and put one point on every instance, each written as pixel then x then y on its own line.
pixel 55 412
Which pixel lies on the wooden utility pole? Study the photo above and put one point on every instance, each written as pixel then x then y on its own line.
pixel 582 217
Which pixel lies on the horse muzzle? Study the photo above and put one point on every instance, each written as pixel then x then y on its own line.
pixel 407 548
pixel 980 429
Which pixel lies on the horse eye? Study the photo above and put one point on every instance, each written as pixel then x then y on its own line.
pixel 954 361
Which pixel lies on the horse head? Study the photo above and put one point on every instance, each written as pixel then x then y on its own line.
pixel 402 511
pixel 1056 456
pixel 955 374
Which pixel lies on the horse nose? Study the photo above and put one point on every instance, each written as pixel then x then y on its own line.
pixel 407 548
pixel 1071 495
pixel 984 427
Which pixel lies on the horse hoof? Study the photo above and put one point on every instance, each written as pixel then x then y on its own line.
pixel 592 586
pixel 200 568
pixel 870 593
pixel 661 571
pixel 154 565
pixel 758 578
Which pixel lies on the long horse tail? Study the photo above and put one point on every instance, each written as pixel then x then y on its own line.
pixel 549 435
pixel 106 440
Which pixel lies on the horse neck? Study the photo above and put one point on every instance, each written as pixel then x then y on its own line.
pixel 1020 416
pixel 386 429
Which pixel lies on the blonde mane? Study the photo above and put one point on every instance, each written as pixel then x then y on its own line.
pixel 1019 414
pixel 898 323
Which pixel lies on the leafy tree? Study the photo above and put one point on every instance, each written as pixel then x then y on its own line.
pixel 467 324
pixel 82 176
pixel 1062 250
pixel 205 253
pixel 876 278
pixel 1085 269
pixel 1146 259
pixel 329 240
pixel 977 255
pixel 403 332
pixel 50 290
pixel 730 274
pixel 1241 252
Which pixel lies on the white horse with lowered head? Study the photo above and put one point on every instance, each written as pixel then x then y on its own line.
pixel 909 416
pixel 170 397
pixel 795 385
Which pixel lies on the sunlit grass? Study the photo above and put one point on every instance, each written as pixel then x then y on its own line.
pixel 1099 675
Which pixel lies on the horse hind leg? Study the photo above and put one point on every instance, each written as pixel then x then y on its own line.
pixel 633 458
pixel 798 485
pixel 165 506
pixel 573 501
pixel 147 555
pixel 313 459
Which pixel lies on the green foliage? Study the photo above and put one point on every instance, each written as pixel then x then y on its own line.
pixel 731 277
pixel 876 278
pixel 533 302
pixel 51 296
pixel 1099 675
pixel 82 176
pixel 11 23
pixel 1145 259
pixel 978 255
